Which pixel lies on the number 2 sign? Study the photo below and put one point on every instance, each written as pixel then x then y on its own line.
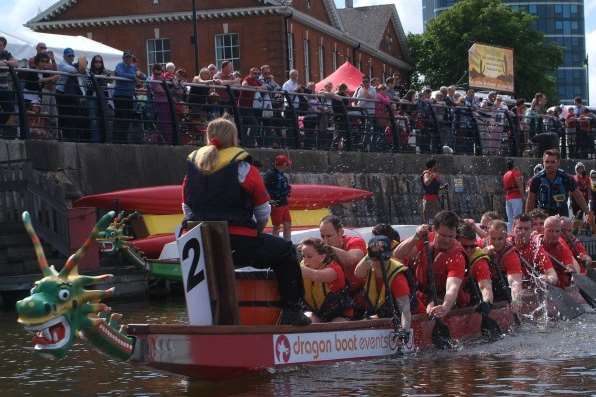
pixel 194 277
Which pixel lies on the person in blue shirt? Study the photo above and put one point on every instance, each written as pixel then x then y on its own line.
pixel 550 188
pixel 124 92
pixel 279 189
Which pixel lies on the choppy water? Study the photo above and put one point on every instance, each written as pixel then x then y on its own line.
pixel 558 361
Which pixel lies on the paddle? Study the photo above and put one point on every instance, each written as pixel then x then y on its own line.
pixel 441 336
pixel 587 287
pixel 567 307
pixel 589 269
pixel 400 333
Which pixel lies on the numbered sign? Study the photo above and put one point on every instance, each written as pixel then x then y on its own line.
pixel 194 277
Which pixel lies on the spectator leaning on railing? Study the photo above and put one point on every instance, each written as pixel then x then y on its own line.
pixel 6 95
pixel 72 118
pixel 124 92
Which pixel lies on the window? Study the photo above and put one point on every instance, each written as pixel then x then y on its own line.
pixel 227 48
pixel 291 54
pixel 335 59
pixel 306 61
pixel 321 62
pixel 158 51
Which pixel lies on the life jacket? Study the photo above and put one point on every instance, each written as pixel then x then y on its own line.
pixel 431 189
pixel 499 272
pixel 469 283
pixel 552 195
pixel 376 298
pixel 218 195
pixel 277 186
pixel 325 304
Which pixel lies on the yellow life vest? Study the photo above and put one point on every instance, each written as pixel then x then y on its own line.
pixel 225 156
pixel 477 255
pixel 376 295
pixel 315 293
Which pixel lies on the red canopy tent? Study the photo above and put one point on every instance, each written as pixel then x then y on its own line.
pixel 347 74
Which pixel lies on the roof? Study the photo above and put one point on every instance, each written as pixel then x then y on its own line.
pixel 368 24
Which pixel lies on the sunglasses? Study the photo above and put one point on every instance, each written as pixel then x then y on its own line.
pixel 468 246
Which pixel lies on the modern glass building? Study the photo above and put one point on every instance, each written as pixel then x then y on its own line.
pixel 561 21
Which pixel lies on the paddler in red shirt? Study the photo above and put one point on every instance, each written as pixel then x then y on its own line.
pixel 506 269
pixel 577 247
pixel 221 184
pixel 349 251
pixel 478 287
pixel 560 254
pixel 530 251
pixel 448 262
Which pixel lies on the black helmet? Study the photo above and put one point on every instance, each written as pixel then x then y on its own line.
pixel 379 247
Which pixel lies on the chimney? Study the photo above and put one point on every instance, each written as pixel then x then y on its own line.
pixel 349 3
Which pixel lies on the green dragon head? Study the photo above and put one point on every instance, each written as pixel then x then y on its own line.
pixel 113 238
pixel 59 307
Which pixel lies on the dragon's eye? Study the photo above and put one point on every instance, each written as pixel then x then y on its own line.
pixel 64 294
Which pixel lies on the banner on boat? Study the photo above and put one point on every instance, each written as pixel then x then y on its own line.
pixel 491 68
pixel 323 346
pixel 194 277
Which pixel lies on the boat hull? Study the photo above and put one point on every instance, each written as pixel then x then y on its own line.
pixel 220 352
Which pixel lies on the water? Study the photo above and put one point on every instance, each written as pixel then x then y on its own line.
pixel 533 361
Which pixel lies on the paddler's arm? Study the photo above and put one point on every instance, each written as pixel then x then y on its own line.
pixel 407 248
pixel 363 267
pixel 452 289
pixel 327 275
pixel 348 259
pixel 262 213
pixel 515 283
pixel 252 181
pixel 550 276
pixel 530 201
pixel 580 201
pixel 403 302
pixel 486 289
pixel 574 266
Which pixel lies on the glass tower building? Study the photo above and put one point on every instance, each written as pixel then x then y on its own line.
pixel 561 21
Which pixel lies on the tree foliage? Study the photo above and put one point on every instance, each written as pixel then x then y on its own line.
pixel 440 54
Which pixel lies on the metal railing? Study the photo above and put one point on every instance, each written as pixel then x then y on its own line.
pixel 99 108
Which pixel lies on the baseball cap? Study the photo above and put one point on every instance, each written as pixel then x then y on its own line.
pixel 580 165
pixel 68 51
pixel 282 159
pixel 126 53
pixel 592 173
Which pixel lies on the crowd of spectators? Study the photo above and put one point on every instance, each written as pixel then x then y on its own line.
pixel 81 100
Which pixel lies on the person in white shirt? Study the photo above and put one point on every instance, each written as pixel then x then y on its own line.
pixel 366 91
pixel 292 85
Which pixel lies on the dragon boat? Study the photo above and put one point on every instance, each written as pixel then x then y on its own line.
pixel 232 317
pixel 149 217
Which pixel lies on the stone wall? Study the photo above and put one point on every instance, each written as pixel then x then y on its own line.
pixel 80 169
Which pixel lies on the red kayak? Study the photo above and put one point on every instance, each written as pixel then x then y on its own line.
pixel 166 200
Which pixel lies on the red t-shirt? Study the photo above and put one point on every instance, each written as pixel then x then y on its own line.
pixel 510 184
pixel 246 98
pixel 509 262
pixel 450 263
pixel 340 281
pixel 535 256
pixel 350 243
pixel 563 254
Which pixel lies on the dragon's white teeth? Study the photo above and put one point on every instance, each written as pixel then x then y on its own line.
pixel 46 333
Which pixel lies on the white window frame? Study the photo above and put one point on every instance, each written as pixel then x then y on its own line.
pixel 235 60
pixel 321 62
pixel 291 50
pixel 166 55
pixel 306 61
pixel 335 57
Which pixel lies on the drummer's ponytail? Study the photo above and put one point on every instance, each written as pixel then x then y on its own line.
pixel 221 134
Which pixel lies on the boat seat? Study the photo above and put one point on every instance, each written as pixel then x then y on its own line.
pixel 252 273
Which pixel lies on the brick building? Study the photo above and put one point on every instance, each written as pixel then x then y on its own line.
pixel 312 36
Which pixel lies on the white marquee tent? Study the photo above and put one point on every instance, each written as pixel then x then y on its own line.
pixel 22 45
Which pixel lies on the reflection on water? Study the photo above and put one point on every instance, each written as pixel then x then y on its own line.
pixel 560 361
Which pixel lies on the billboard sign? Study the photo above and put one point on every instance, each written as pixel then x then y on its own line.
pixel 491 68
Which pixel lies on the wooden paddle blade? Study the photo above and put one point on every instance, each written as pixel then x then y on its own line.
pixel 586 287
pixel 441 336
pixel 567 307
pixel 490 328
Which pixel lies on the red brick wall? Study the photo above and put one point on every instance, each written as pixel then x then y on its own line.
pixel 316 10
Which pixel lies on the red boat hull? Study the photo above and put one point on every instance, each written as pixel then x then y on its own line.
pixel 166 200
pixel 220 352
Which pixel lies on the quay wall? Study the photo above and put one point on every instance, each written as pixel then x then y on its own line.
pixel 77 169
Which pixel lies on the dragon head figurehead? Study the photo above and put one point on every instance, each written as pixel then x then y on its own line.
pixel 113 238
pixel 60 308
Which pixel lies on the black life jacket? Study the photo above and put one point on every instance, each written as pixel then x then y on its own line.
pixel 433 188
pixel 218 196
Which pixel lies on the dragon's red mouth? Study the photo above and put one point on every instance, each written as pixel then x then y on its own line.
pixel 53 334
